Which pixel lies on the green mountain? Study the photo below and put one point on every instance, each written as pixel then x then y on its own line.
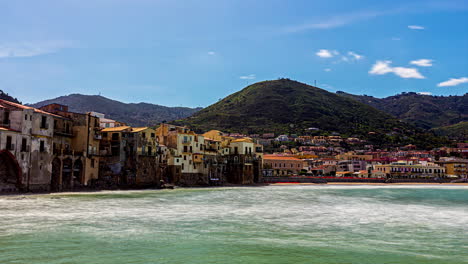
pixel 289 106
pixel 140 114
pixel 424 111
pixel 458 131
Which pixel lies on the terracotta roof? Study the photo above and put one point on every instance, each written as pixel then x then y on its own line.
pixel 275 157
pixel 248 140
pixel 20 106
pixel 115 129
pixel 138 129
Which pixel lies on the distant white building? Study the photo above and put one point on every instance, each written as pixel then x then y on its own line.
pixel 106 122
pixel 282 138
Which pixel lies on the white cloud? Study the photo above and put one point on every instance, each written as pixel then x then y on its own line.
pixel 248 77
pixel 396 39
pixel 355 55
pixel 211 53
pixel 324 53
pixel 30 49
pixel 408 73
pixel 422 62
pixel 327 70
pixel 333 22
pixel 425 93
pixel 453 82
pixel 416 27
pixel 383 67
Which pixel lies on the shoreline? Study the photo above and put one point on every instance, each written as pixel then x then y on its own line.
pixel 373 183
pixel 242 186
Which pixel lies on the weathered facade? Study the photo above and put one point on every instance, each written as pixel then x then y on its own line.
pixel 76 157
pixel 26 140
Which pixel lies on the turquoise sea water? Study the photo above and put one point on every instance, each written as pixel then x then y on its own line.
pixel 274 224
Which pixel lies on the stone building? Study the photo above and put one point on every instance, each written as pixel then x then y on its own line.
pixel 26 139
pixel 76 150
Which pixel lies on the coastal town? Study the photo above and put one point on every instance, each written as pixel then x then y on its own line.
pixel 51 149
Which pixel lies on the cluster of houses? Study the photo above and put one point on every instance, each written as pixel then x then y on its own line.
pixel 54 149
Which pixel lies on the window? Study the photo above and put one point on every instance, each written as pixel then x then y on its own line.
pixel 23 144
pixel 41 146
pixel 153 135
pixel 9 146
pixel 92 163
pixel 44 122
pixel 26 117
pixel 143 135
pixel 191 149
pixel 185 157
pixel 185 148
pixel 149 151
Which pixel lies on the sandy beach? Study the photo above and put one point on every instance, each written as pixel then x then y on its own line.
pixel 372 183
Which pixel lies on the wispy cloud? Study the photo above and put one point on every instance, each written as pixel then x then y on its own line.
pixel 324 53
pixel 248 77
pixel 327 70
pixel 31 49
pixel 211 53
pixel 453 82
pixel 422 62
pixel 416 27
pixel 355 55
pixel 333 22
pixel 425 93
pixel 349 57
pixel 384 67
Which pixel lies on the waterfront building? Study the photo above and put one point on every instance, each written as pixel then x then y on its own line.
pixel 455 166
pixel 408 169
pixel 26 139
pixel 275 165
pixel 76 166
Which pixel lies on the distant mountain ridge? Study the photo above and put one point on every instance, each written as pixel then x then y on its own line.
pixel 424 111
pixel 134 114
pixel 285 105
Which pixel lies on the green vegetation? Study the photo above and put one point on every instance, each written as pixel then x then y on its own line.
pixel 458 131
pixel 141 114
pixel 424 111
pixel 286 106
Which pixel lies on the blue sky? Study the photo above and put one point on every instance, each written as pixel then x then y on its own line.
pixel 192 53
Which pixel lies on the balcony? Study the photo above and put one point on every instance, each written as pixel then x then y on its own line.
pixel 97 137
pixel 61 132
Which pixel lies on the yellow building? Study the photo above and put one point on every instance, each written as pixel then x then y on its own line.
pixel 408 170
pixel 455 166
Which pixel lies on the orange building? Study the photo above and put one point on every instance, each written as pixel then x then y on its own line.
pixel 275 165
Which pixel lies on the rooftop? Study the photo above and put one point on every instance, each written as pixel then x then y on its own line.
pixel 116 129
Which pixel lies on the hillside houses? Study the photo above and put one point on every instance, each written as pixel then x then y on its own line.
pixel 53 149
